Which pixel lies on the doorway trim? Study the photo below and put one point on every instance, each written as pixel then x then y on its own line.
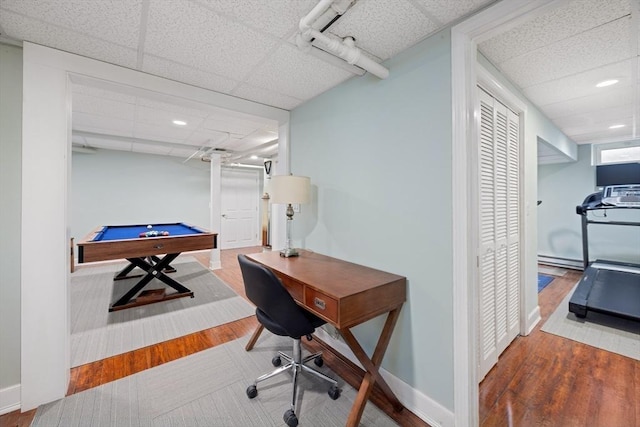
pixel 46 146
pixel 465 38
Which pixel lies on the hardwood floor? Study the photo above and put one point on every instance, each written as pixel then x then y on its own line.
pixel 547 380
pixel 540 380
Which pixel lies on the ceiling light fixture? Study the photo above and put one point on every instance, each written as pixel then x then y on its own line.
pixel 606 83
pixel 179 122
pixel 616 126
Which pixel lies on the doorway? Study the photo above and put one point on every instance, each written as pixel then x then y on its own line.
pixel 240 191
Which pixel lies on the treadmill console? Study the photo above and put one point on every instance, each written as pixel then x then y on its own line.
pixel 622 195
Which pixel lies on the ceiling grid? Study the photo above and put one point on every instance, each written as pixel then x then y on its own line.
pixel 247 49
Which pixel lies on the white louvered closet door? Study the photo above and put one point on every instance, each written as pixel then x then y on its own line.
pixel 499 243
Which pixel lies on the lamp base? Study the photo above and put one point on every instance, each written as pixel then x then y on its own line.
pixel 289 252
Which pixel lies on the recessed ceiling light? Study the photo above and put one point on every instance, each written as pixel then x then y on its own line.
pixel 606 83
pixel 616 126
pixel 254 157
pixel 179 122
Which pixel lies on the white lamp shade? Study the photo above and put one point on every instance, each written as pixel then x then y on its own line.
pixel 285 189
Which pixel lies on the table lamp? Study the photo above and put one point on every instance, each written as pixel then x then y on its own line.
pixel 288 190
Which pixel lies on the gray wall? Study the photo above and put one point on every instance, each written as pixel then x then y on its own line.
pixel 118 187
pixel 561 188
pixel 10 203
pixel 379 156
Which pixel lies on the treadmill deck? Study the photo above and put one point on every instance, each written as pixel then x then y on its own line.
pixel 608 287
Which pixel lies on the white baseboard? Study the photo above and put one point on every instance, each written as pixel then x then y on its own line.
pixel 532 319
pixel 414 400
pixel 573 264
pixel 10 399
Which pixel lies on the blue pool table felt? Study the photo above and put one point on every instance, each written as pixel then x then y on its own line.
pixel 123 232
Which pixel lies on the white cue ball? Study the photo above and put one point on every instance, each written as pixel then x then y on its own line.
pixel 149 227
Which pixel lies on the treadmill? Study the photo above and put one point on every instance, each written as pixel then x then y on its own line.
pixel 608 287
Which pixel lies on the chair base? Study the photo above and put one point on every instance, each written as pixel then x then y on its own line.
pixel 296 364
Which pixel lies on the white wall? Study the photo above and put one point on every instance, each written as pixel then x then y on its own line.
pixel 118 187
pixel 10 201
pixel 379 156
pixel 561 188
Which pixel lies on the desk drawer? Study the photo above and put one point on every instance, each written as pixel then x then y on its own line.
pixel 294 287
pixel 321 304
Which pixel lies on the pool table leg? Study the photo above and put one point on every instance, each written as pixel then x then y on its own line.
pixel 153 260
pixel 153 272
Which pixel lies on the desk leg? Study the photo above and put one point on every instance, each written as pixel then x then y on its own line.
pixel 372 367
pixel 254 337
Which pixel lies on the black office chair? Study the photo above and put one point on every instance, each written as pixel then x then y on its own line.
pixel 277 311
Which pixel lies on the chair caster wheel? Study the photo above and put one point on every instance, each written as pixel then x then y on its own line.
pixel 334 392
pixel 290 418
pixel 276 361
pixel 252 391
pixel 318 361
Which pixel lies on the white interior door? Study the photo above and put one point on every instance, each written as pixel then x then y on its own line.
pixel 499 237
pixel 240 194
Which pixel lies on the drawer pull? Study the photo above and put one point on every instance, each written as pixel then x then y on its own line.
pixel 319 303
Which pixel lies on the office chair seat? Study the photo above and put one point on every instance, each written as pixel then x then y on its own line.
pixel 278 312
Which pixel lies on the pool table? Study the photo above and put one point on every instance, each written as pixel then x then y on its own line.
pixel 131 243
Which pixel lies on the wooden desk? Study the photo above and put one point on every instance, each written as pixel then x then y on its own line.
pixel 345 295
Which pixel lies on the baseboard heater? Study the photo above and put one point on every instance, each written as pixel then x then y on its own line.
pixel 573 264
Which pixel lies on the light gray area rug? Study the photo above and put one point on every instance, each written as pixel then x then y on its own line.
pixel 96 333
pixel 609 333
pixel 208 389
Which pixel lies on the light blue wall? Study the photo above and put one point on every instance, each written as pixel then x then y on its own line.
pixel 117 187
pixel 561 188
pixel 10 212
pixel 379 156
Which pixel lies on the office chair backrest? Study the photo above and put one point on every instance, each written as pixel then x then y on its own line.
pixel 264 289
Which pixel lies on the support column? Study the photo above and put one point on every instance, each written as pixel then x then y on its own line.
pixel 216 209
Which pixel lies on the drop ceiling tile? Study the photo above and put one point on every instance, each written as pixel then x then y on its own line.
pixel 102 107
pixel 209 138
pixel 113 21
pixel 568 20
pixel 200 38
pixel 182 73
pixel 23 28
pixel 163 119
pixel 581 84
pixel 160 133
pixel 312 75
pixel 176 108
pixel 103 94
pixel 276 17
pixel 446 11
pixel 585 105
pixel 608 135
pixel 374 24
pixel 237 128
pixel 102 124
pixel 601 46
pixel 266 96
pixel 597 121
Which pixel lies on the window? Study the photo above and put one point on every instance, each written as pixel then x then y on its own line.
pixel 617 152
